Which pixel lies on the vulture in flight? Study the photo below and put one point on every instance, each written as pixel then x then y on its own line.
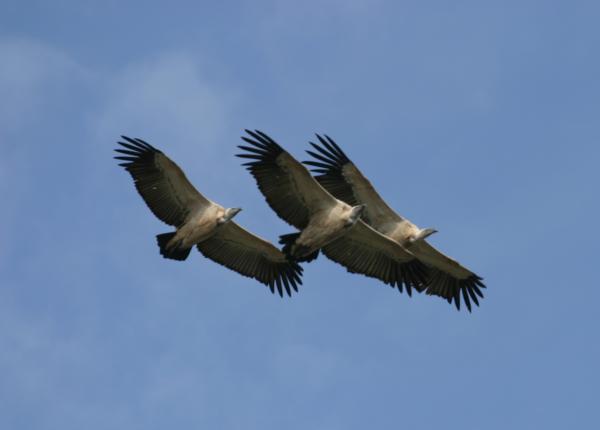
pixel 338 175
pixel 325 223
pixel 200 222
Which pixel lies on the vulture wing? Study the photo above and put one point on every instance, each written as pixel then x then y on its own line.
pixel 160 182
pixel 366 251
pixel 447 278
pixel 338 175
pixel 251 256
pixel 287 185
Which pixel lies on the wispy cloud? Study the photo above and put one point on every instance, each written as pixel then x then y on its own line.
pixel 166 98
pixel 31 72
pixel 34 78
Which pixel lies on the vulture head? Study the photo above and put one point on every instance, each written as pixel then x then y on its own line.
pixel 229 213
pixel 423 234
pixel 355 214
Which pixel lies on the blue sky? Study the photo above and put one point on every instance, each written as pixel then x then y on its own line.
pixel 477 118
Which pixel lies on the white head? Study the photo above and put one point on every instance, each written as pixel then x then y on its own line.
pixel 228 215
pixel 423 234
pixel 355 214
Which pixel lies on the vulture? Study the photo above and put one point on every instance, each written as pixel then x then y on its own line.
pixel 202 223
pixel 338 175
pixel 325 223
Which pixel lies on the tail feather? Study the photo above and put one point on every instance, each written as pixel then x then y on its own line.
pixel 174 253
pixel 288 241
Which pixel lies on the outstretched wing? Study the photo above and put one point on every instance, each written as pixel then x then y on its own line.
pixel 447 278
pixel 160 182
pixel 338 175
pixel 368 252
pixel 287 185
pixel 249 255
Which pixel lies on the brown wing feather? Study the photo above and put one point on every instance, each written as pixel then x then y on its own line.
pixel 287 185
pixel 368 252
pixel 249 255
pixel 338 175
pixel 161 183
pixel 447 278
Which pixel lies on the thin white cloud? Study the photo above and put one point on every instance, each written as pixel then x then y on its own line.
pixel 166 99
pixel 29 72
pixel 32 77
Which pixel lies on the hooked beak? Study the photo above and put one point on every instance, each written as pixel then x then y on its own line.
pixel 428 232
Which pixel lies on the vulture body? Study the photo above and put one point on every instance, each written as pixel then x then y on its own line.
pixel 325 223
pixel 445 277
pixel 200 222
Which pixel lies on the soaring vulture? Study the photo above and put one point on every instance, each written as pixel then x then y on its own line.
pixel 338 175
pixel 325 222
pixel 201 222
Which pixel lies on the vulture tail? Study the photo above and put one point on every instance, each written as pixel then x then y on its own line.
pixel 288 240
pixel 174 253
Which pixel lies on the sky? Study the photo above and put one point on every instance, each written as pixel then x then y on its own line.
pixel 477 118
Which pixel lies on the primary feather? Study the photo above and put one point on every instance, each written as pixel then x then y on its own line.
pixel 339 175
pixel 202 223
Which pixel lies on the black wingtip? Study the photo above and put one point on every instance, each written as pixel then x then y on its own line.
pixel 134 151
pixel 328 157
pixel 262 148
pixel 451 289
pixel 287 276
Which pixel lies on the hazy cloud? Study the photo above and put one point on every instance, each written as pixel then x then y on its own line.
pixel 34 78
pixel 30 72
pixel 167 99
